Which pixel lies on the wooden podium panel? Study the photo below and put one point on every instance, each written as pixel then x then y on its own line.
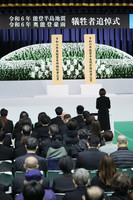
pixel 57 72
pixel 90 65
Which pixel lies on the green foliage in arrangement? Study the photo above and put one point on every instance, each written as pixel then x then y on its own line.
pixel 35 63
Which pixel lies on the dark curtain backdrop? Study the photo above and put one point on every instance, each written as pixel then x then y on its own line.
pixel 11 40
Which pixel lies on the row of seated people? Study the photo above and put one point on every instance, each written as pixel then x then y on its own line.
pixel 74 184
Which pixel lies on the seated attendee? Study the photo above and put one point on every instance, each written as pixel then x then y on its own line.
pixel 17 127
pixel 6 153
pixel 31 147
pixel 18 182
pixel 96 130
pixel 90 159
pixel 123 158
pixel 106 171
pixel 33 190
pixel 94 193
pixel 83 136
pixel 85 116
pixel 35 175
pixel 81 181
pixel 56 149
pixel 39 124
pixel 7 125
pixel 79 117
pixel 17 135
pixel 57 120
pixel 43 129
pixel 65 119
pixel 64 183
pixel 130 195
pixel 70 136
pixel 109 147
pixel 26 132
pixel 121 183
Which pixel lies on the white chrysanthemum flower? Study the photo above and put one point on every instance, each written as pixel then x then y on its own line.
pixel 77 72
pixel 40 74
pixel 102 67
pixel 79 67
pixel 99 70
pixel 71 68
pixel 68 62
pixel 42 66
pixel 46 72
pixel 107 71
pixel 83 62
pixel 33 74
pixel 36 69
pixel 50 67
pixel 65 67
pixel 68 72
pixel 98 62
pixel 75 61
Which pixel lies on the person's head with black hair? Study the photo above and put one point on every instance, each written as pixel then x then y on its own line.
pixel 2 136
pixel 40 115
pixel 3 112
pixel 96 128
pixel 58 110
pixel 23 114
pixel 83 133
pixel 94 141
pixel 44 119
pixel 33 190
pixel 72 124
pixel 65 164
pixel 31 144
pixel 80 109
pixel 25 121
pixel 94 193
pixel 86 114
pixel 102 92
pixel 108 135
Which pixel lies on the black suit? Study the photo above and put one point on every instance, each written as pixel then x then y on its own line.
pixel 57 120
pixel 89 159
pixel 18 164
pixel 6 153
pixel 103 104
pixel 63 183
pixel 18 184
pixel 76 194
pixel 9 127
pixel 79 120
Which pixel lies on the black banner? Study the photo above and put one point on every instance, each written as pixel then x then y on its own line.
pixel 64 21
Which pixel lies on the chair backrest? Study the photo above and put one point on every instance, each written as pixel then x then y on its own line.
pixel 6 165
pixel 52 163
pixel 74 162
pixel 60 195
pixel 129 171
pixel 92 173
pixel 51 174
pixel 6 178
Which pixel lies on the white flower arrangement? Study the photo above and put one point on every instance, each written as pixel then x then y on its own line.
pixel 35 62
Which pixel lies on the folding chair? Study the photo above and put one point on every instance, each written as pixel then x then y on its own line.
pixel 51 174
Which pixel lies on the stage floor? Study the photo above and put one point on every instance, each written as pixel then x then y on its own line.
pixel 121 106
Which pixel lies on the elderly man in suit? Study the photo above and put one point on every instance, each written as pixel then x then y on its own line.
pixel 90 159
pixel 31 147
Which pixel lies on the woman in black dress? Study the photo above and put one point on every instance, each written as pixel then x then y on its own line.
pixel 103 105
